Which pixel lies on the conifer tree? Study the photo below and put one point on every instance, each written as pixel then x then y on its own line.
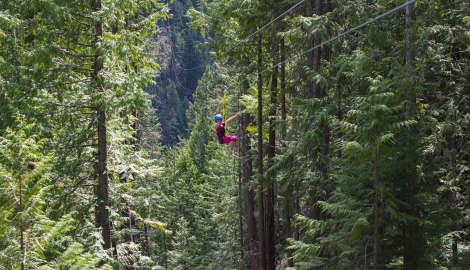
pixel 76 75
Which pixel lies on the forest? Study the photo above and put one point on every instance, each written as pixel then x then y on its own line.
pixel 352 146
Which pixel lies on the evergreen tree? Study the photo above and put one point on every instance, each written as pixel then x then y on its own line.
pixel 188 57
pixel 86 86
pixel 361 145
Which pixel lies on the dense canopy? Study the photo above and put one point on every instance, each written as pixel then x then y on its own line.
pixel 352 153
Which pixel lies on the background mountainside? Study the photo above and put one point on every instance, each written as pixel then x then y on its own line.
pixel 183 56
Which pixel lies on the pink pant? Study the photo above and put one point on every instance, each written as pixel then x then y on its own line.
pixel 228 139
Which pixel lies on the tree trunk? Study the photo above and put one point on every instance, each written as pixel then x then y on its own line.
pixel 316 92
pixel 240 208
pixel 325 127
pixel 270 198
pixel 23 253
pixel 102 155
pixel 103 193
pixel 288 199
pixel 376 210
pixel 410 253
pixel 283 90
pixel 325 50
pixel 240 215
pixel 288 228
pixel 296 211
pixel 262 223
pixel 310 54
pixel 252 231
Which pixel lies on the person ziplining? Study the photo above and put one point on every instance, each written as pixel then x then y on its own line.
pixel 221 127
pixel 220 130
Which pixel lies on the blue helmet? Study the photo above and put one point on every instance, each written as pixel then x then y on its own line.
pixel 218 117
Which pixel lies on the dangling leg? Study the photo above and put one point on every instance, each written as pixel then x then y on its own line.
pixel 230 148
pixel 230 140
pixel 233 139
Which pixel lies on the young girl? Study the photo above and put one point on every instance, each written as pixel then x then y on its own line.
pixel 220 131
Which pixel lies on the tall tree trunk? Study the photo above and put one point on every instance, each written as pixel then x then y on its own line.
pixel 249 196
pixel 262 223
pixel 310 54
pixel 240 188
pixel 316 92
pixel 323 128
pixel 296 211
pixel 322 94
pixel 102 155
pixel 283 90
pixel 288 197
pixel 376 209
pixel 410 254
pixel 240 214
pixel 103 193
pixel 454 202
pixel 23 253
pixel 146 245
pixel 270 198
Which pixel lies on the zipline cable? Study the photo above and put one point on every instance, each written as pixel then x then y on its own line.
pixel 176 76
pixel 266 25
pixel 244 40
pixel 185 69
pixel 340 35
pixel 173 58
pixel 254 33
pixel 173 51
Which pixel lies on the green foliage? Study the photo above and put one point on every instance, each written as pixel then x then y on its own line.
pixel 25 192
pixel 186 58
pixel 378 127
pixel 51 96
pixel 369 87
pixel 197 186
